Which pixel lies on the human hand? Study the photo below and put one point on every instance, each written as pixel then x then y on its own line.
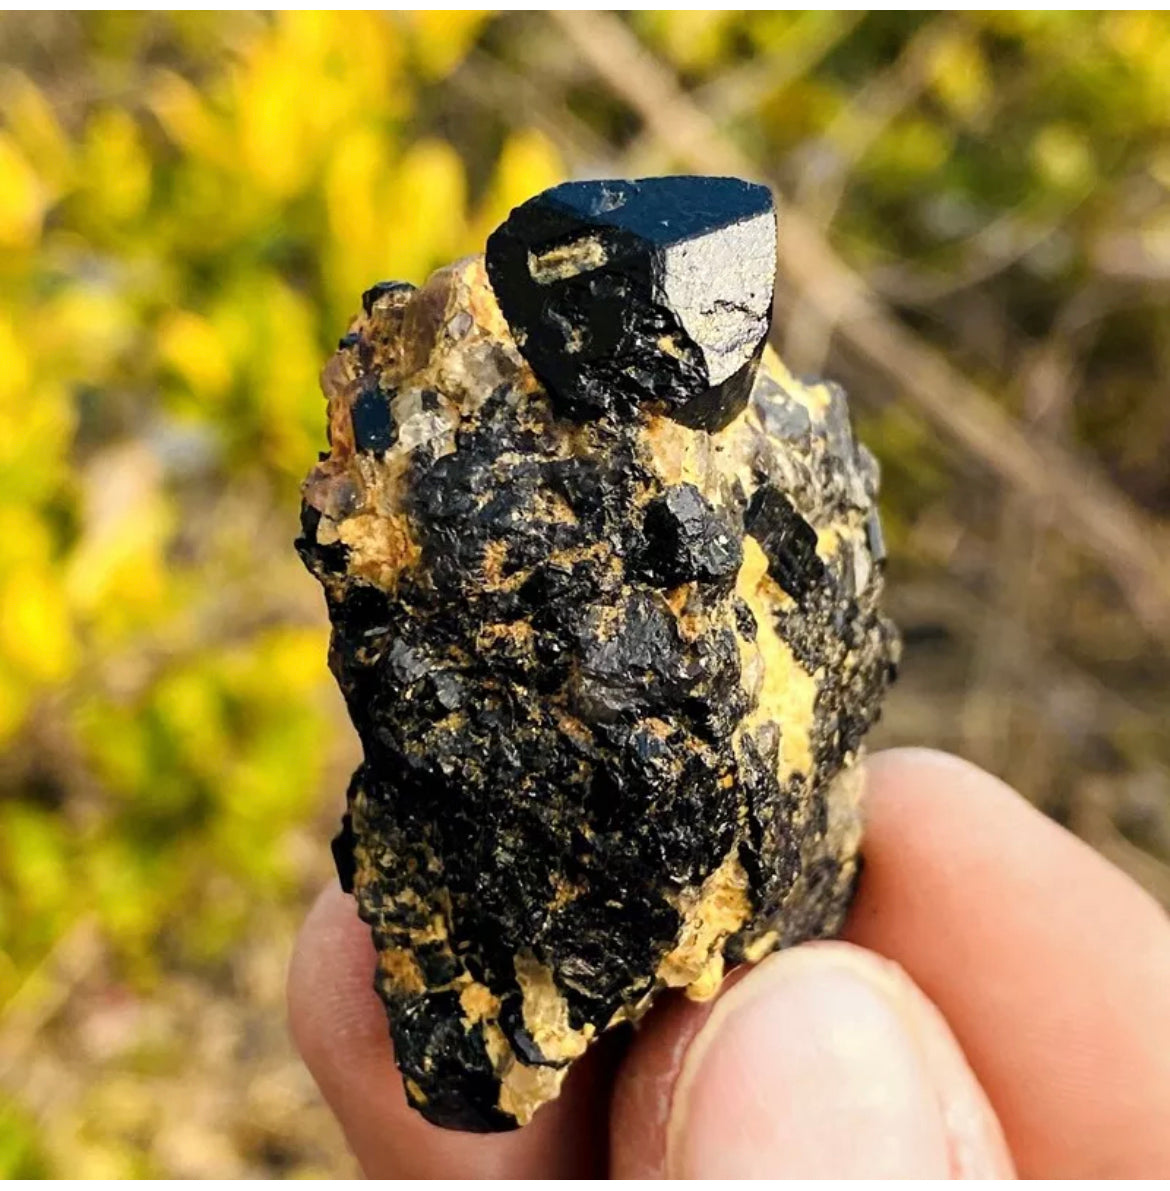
pixel 1018 1022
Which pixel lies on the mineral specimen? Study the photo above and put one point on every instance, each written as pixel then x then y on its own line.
pixel 604 582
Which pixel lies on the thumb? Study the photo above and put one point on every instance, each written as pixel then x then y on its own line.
pixel 824 1061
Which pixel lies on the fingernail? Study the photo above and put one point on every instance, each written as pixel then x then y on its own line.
pixel 825 1062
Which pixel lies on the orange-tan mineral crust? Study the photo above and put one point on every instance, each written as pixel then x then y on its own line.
pixel 604 581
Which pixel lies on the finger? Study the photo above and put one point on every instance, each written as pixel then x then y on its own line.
pixel 1051 966
pixel 822 1062
pixel 339 1027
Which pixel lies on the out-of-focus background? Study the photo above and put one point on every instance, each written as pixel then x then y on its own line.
pixel 976 242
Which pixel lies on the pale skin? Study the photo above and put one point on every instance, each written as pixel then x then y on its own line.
pixel 1000 1005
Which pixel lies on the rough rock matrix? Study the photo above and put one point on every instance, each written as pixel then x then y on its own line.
pixel 604 583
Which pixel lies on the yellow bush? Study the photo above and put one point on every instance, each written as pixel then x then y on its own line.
pixel 177 251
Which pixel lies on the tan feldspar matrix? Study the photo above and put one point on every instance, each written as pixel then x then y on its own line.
pixel 604 583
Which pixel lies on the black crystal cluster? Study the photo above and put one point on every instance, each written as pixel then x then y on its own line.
pixel 604 583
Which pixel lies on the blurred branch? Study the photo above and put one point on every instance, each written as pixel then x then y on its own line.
pixel 726 97
pixel 993 248
pixel 1025 575
pixel 1093 821
pixel 43 993
pixel 1128 543
pixel 812 37
pixel 1129 256
pixel 486 80
pixel 1073 700
pixel 825 179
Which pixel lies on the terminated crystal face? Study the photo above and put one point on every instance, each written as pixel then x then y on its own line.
pixel 604 583
pixel 624 293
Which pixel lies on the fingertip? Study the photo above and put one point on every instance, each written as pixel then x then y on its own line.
pixel 822 1061
pixel 644 1088
pixel 334 1013
pixel 1049 963
pixel 944 814
pixel 925 773
pixel 825 1061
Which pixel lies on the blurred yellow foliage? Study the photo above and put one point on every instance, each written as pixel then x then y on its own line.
pixel 22 197
pixel 190 207
pixel 960 75
pixel 179 244
pixel 1062 158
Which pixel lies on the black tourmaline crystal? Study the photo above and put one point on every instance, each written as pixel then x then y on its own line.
pixel 625 293
pixel 604 582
